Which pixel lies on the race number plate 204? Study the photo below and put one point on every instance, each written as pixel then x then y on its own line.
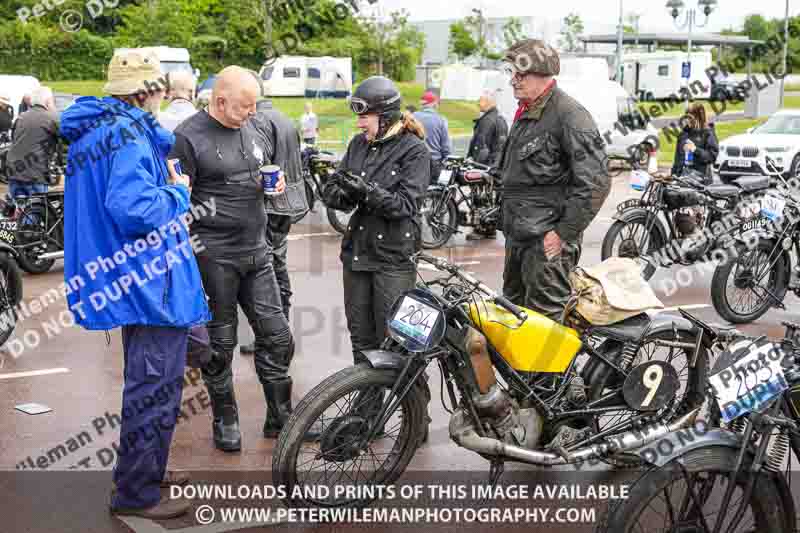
pixel 415 319
pixel 750 382
pixel 8 231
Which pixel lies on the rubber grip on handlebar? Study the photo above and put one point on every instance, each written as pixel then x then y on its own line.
pixel 504 302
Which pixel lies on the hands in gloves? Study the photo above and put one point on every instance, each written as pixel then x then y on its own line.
pixel 354 185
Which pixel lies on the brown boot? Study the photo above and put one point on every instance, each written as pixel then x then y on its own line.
pixel 175 477
pixel 163 510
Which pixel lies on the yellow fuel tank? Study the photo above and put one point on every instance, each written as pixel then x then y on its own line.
pixel 538 345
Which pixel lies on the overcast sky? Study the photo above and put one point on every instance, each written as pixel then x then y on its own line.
pixel 598 15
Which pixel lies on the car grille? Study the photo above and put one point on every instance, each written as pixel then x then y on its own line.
pixel 750 151
pixel 734 151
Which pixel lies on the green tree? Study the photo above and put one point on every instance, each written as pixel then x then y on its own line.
pixel 462 44
pixel 512 31
pixel 573 27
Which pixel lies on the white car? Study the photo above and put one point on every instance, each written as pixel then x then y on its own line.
pixel 778 138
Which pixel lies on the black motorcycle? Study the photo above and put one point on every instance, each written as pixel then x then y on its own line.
pixel 563 395
pixel 736 476
pixel 317 167
pixel 677 220
pixel 464 194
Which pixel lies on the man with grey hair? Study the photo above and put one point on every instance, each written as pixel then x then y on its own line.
pixel 181 100
pixel 34 146
pixel 486 146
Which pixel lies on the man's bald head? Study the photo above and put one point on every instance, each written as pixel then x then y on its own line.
pixel 234 96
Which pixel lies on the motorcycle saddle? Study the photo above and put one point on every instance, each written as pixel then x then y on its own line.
pixel 723 191
pixel 752 183
pixel 631 329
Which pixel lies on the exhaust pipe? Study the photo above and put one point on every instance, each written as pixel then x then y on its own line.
pixel 52 255
pixel 463 433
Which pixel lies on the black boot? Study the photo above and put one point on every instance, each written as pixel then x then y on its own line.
pixel 227 436
pixel 279 408
pixel 248 349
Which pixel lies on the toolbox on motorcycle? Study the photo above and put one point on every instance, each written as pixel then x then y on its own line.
pixel 611 291
pixel 678 197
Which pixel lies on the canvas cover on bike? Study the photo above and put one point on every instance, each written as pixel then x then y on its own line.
pixel 612 291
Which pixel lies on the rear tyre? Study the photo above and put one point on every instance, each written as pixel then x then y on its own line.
pixel 34 231
pixel 660 499
pixel 741 287
pixel 10 295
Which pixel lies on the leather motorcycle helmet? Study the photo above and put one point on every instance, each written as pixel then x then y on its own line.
pixel 378 94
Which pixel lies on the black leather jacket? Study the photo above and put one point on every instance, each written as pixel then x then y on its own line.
pixel 705 154
pixel 283 137
pixel 554 171
pixel 486 145
pixel 384 231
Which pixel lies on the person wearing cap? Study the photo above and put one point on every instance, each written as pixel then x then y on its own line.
pixel 181 100
pixel 34 146
pixel 437 135
pixel 119 194
pixel 553 169
pixel 289 207
pixel 486 146
pixel 222 151
pixel 6 116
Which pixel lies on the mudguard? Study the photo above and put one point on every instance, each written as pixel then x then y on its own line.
pixel 676 444
pixel 383 359
pixel 638 214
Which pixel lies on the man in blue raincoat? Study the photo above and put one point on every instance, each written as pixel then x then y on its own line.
pixel 129 262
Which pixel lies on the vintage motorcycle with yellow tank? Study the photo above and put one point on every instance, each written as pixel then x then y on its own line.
pixel 607 380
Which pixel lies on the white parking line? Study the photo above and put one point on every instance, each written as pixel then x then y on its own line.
pixel 675 308
pixel 33 373
pixel 298 236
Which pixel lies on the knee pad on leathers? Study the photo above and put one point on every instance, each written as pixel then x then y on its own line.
pixel 274 353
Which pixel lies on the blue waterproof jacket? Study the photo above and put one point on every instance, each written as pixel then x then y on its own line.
pixel 127 256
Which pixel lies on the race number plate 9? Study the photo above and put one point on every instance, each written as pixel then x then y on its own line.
pixel 415 320
pixel 750 382
pixel 444 177
pixel 650 386
pixel 8 231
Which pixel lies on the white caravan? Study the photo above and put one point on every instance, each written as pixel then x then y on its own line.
pixel 310 77
pixel 658 75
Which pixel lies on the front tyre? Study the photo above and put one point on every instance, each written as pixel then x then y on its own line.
pixel 631 239
pixel 661 500
pixel 439 219
pixel 342 408
pixel 339 219
pixel 742 288
pixel 10 295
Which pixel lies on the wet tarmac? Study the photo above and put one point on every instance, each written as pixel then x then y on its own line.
pixel 79 376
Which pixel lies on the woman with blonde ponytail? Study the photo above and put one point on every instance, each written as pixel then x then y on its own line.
pixel 383 175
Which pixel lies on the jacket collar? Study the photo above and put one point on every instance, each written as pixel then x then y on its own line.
pixel 536 109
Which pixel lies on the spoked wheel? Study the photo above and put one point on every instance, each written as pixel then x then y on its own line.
pixel 688 396
pixel 339 219
pixel 631 239
pixel 343 409
pixel 744 288
pixel 686 496
pixel 10 295
pixel 439 219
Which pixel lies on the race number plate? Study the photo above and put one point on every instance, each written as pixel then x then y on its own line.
pixel 444 177
pixel 739 163
pixel 415 319
pixel 8 231
pixel 639 180
pixel 750 382
pixel 772 207
pixel 650 386
pixel 628 204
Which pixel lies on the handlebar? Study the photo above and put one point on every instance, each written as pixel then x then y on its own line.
pixel 499 299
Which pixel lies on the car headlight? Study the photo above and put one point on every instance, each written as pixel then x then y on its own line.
pixel 778 149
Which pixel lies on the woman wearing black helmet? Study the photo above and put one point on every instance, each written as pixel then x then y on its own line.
pixel 383 174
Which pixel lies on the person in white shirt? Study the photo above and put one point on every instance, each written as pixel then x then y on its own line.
pixel 309 125
pixel 181 100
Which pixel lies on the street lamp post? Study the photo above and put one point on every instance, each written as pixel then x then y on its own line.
pixel 689 22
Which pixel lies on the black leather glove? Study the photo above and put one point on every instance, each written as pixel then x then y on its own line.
pixel 355 186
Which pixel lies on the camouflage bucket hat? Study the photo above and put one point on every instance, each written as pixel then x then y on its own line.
pixel 535 57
